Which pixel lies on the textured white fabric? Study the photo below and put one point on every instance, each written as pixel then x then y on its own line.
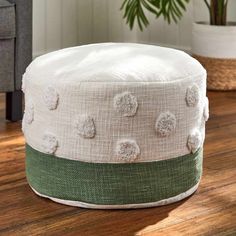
pixel 87 79
pixel 163 202
pixel 114 62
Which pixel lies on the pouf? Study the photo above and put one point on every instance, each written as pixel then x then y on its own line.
pixel 114 125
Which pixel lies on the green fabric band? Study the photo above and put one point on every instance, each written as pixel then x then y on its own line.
pixel 112 183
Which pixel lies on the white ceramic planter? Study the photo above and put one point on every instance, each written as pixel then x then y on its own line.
pixel 214 41
pixel 215 47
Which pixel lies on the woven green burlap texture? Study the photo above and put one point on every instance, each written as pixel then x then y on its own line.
pixel 111 183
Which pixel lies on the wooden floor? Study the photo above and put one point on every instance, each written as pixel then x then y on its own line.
pixel 210 211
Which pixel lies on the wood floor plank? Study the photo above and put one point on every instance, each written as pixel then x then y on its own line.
pixel 210 211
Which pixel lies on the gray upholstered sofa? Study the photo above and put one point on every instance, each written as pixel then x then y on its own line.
pixel 15 51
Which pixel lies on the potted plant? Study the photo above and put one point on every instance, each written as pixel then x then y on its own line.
pixel 213 42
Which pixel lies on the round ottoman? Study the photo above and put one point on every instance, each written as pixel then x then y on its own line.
pixel 114 125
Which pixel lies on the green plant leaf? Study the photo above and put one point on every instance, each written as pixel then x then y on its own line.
pixel 171 10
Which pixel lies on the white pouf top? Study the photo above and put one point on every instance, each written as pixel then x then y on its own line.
pixel 115 62
pixel 115 102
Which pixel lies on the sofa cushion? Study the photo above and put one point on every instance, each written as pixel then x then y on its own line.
pixel 7 20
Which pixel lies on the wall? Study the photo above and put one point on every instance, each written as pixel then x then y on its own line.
pixel 64 23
